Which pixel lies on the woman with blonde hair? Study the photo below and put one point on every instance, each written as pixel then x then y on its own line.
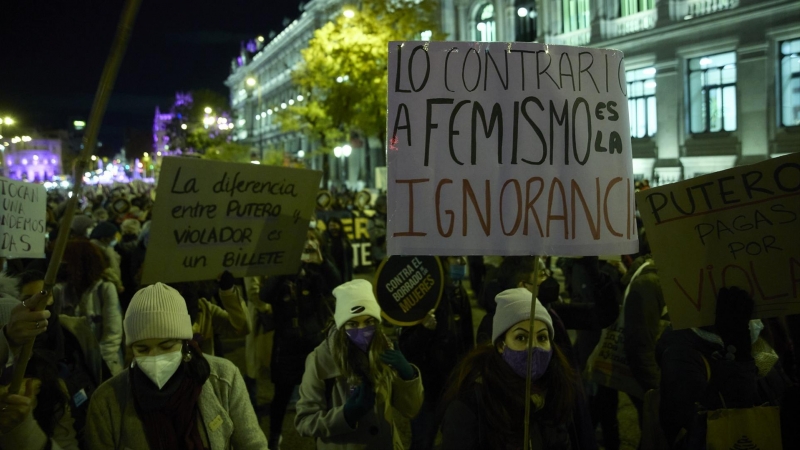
pixel 354 379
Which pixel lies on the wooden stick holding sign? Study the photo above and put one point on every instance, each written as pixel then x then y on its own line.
pixel 531 340
pixel 89 141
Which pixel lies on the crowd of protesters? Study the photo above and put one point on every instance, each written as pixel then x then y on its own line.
pixel 117 364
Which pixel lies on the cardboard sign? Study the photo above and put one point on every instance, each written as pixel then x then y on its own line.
pixel 738 227
pixel 213 216
pixel 408 287
pixel 22 219
pixel 508 149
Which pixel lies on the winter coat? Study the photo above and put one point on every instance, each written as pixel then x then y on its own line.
pixel 258 343
pixel 226 418
pixel 685 382
pixel 99 305
pixel 211 319
pixel 464 427
pixel 301 310
pixel 320 410
pixel 340 251
pixel 9 298
pixel 437 352
pixel 644 312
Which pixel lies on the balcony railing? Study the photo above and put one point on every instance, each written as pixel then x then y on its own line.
pixel 688 9
pixel 578 38
pixel 633 23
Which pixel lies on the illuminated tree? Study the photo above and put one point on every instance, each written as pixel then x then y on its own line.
pixel 344 76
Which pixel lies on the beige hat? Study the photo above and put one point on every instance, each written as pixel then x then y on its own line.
pixel 157 312
pixel 514 306
pixel 353 299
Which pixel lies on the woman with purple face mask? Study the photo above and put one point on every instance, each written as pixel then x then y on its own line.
pixel 354 380
pixel 485 403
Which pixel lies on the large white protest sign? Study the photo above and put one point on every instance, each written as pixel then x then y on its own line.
pixel 212 216
pixel 22 219
pixel 508 148
pixel 737 227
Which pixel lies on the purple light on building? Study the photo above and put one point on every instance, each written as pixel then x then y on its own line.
pixel 37 160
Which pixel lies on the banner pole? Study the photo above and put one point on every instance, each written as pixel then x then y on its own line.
pixel 531 337
pixel 101 98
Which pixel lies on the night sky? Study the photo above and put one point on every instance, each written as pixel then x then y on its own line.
pixel 53 52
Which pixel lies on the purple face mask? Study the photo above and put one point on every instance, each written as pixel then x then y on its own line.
pixel 518 361
pixel 361 337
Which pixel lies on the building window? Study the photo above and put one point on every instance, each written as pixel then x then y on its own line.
pixel 631 7
pixel 526 21
pixel 576 14
pixel 712 93
pixel 790 83
pixel 486 25
pixel 642 101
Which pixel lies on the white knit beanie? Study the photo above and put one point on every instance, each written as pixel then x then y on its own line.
pixel 514 306
pixel 353 299
pixel 157 312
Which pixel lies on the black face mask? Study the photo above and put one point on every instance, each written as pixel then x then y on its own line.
pixel 549 290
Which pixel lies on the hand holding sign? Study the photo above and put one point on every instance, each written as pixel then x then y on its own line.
pixel 15 408
pixel 25 322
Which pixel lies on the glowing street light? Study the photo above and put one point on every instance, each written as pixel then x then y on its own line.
pixel 348 13
pixel 260 39
pixel 522 12
pixel 251 81
pixel 209 120
pixel 183 126
pixel 346 150
pixel 207 110
pixel 301 154
pixel 94 158
pixel 337 151
pixel 8 121
pixel 26 138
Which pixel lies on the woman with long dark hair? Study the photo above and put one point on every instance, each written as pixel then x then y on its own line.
pixel 354 380
pixel 485 404
pixel 172 396
pixel 82 292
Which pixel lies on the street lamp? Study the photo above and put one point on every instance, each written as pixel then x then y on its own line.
pixel 251 81
pixel 8 121
pixel 207 110
pixel 348 13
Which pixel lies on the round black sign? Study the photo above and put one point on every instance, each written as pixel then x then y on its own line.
pixel 408 287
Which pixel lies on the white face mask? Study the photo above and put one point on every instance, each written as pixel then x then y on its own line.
pixel 160 368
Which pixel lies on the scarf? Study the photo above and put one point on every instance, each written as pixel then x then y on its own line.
pixel 170 415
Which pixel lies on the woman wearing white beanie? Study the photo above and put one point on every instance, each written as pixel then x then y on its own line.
pixel 485 401
pixel 354 379
pixel 172 397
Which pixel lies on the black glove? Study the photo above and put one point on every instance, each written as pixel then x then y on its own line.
pixel 398 362
pixel 359 404
pixel 549 291
pixel 226 281
pixel 734 311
